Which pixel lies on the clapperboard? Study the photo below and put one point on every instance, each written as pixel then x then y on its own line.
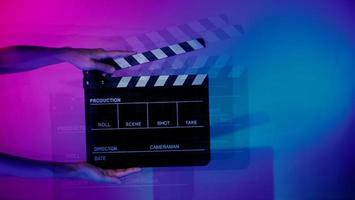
pixel 147 121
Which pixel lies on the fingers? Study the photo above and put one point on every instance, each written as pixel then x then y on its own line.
pixel 125 172
pixel 90 172
pixel 104 67
pixel 112 176
pixel 101 53
pixel 119 53
pixel 107 179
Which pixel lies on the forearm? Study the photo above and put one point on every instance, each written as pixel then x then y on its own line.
pixel 24 58
pixel 26 168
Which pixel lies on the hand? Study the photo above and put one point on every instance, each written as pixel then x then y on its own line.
pixel 89 172
pixel 87 59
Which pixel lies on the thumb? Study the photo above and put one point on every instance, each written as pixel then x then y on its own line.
pixel 104 67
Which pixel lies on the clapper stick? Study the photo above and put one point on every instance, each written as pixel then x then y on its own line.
pixel 155 54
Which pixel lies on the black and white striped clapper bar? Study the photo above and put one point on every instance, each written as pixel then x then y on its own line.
pixel 156 54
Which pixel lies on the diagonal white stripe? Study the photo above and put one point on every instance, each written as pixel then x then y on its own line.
pixel 210 36
pixel 124 82
pixel 135 42
pixel 142 82
pixel 200 62
pixel 159 53
pixel 217 21
pixel 180 80
pixel 177 33
pixel 195 44
pixel 140 58
pixel 177 49
pixel 199 79
pixel 218 65
pixel 161 80
pixel 231 31
pixel 197 27
pixel 122 63
pixel 157 39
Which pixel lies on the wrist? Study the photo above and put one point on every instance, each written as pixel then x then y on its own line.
pixel 63 170
pixel 64 53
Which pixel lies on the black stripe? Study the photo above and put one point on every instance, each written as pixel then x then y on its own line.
pixel 186 46
pixel 114 81
pixel 131 60
pixel 168 51
pixel 151 81
pixel 189 80
pixel 202 42
pixel 150 56
pixel 171 80
pixel 204 82
pixel 133 81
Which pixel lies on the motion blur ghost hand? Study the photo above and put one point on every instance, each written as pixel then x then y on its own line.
pixel 92 173
pixel 28 168
pixel 24 58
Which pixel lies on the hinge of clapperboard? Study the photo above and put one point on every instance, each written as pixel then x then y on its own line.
pixel 96 79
